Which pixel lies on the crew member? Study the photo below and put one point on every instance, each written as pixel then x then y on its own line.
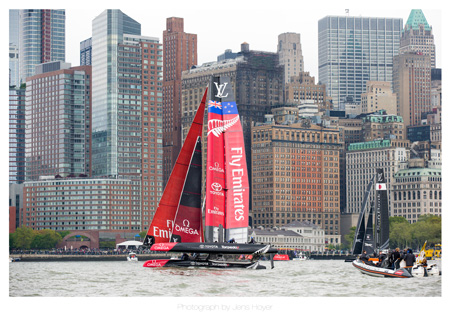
pixel 425 265
pixel 396 259
pixel 364 258
pixel 409 260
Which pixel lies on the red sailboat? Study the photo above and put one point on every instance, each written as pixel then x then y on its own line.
pixel 177 224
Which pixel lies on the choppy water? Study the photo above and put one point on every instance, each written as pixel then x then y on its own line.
pixel 312 278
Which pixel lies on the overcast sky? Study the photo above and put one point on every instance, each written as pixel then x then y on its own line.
pixel 222 25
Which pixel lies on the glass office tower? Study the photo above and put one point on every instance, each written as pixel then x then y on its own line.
pixel 42 37
pixel 354 50
pixel 16 135
pixel 108 30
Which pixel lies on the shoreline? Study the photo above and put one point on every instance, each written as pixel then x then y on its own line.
pixel 71 258
pixel 120 257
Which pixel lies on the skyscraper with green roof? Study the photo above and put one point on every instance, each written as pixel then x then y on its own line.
pixel 417 36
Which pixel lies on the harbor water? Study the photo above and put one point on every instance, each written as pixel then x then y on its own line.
pixel 310 278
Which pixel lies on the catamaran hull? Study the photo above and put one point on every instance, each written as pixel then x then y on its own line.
pixel 432 270
pixel 380 272
pixel 203 264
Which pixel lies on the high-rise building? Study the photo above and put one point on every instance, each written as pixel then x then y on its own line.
pixel 295 176
pixel 378 96
pixel 42 39
pixel 58 121
pixel 381 125
pixel 86 52
pixel 16 205
pixel 108 30
pixel 354 50
pixel 412 84
pixel 303 87
pixel 290 54
pixel 417 36
pixel 14 27
pixel 127 106
pixel 436 87
pixel 14 75
pixel 257 81
pixel 14 65
pixel 362 160
pixel 416 192
pixel 70 204
pixel 16 135
pixel 180 54
pixel 140 135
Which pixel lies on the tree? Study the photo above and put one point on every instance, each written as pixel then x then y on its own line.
pixel 397 219
pixel 400 234
pixel 349 238
pixel 64 233
pixel 22 237
pixel 427 228
pixel 46 239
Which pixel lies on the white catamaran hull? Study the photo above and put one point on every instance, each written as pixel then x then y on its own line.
pixel 432 270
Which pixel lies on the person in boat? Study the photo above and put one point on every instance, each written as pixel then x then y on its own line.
pixel 381 259
pixel 425 265
pixel 184 257
pixel 410 259
pixel 387 262
pixel 232 240
pixel 252 240
pixel 396 258
pixel 363 257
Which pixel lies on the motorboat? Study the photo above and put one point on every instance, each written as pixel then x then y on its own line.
pixel 376 271
pixel 132 257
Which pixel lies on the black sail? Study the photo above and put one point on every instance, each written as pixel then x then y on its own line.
pixel 357 250
pixel 369 242
pixel 382 211
pixel 358 243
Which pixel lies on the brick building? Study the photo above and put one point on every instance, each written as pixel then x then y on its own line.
pixel 295 176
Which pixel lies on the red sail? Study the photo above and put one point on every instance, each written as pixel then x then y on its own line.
pixel 161 228
pixel 188 221
pixel 237 185
pixel 215 172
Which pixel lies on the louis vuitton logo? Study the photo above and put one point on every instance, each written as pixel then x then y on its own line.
pixel 221 89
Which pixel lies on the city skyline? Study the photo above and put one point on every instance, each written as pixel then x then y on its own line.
pixel 214 40
pixel 219 33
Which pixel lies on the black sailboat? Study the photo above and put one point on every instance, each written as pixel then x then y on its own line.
pixel 375 241
pixel 365 234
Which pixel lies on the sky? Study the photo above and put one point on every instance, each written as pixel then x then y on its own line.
pixel 222 25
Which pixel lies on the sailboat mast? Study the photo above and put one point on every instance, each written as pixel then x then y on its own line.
pixel 215 166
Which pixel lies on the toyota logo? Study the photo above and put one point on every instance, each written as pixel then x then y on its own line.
pixel 216 186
